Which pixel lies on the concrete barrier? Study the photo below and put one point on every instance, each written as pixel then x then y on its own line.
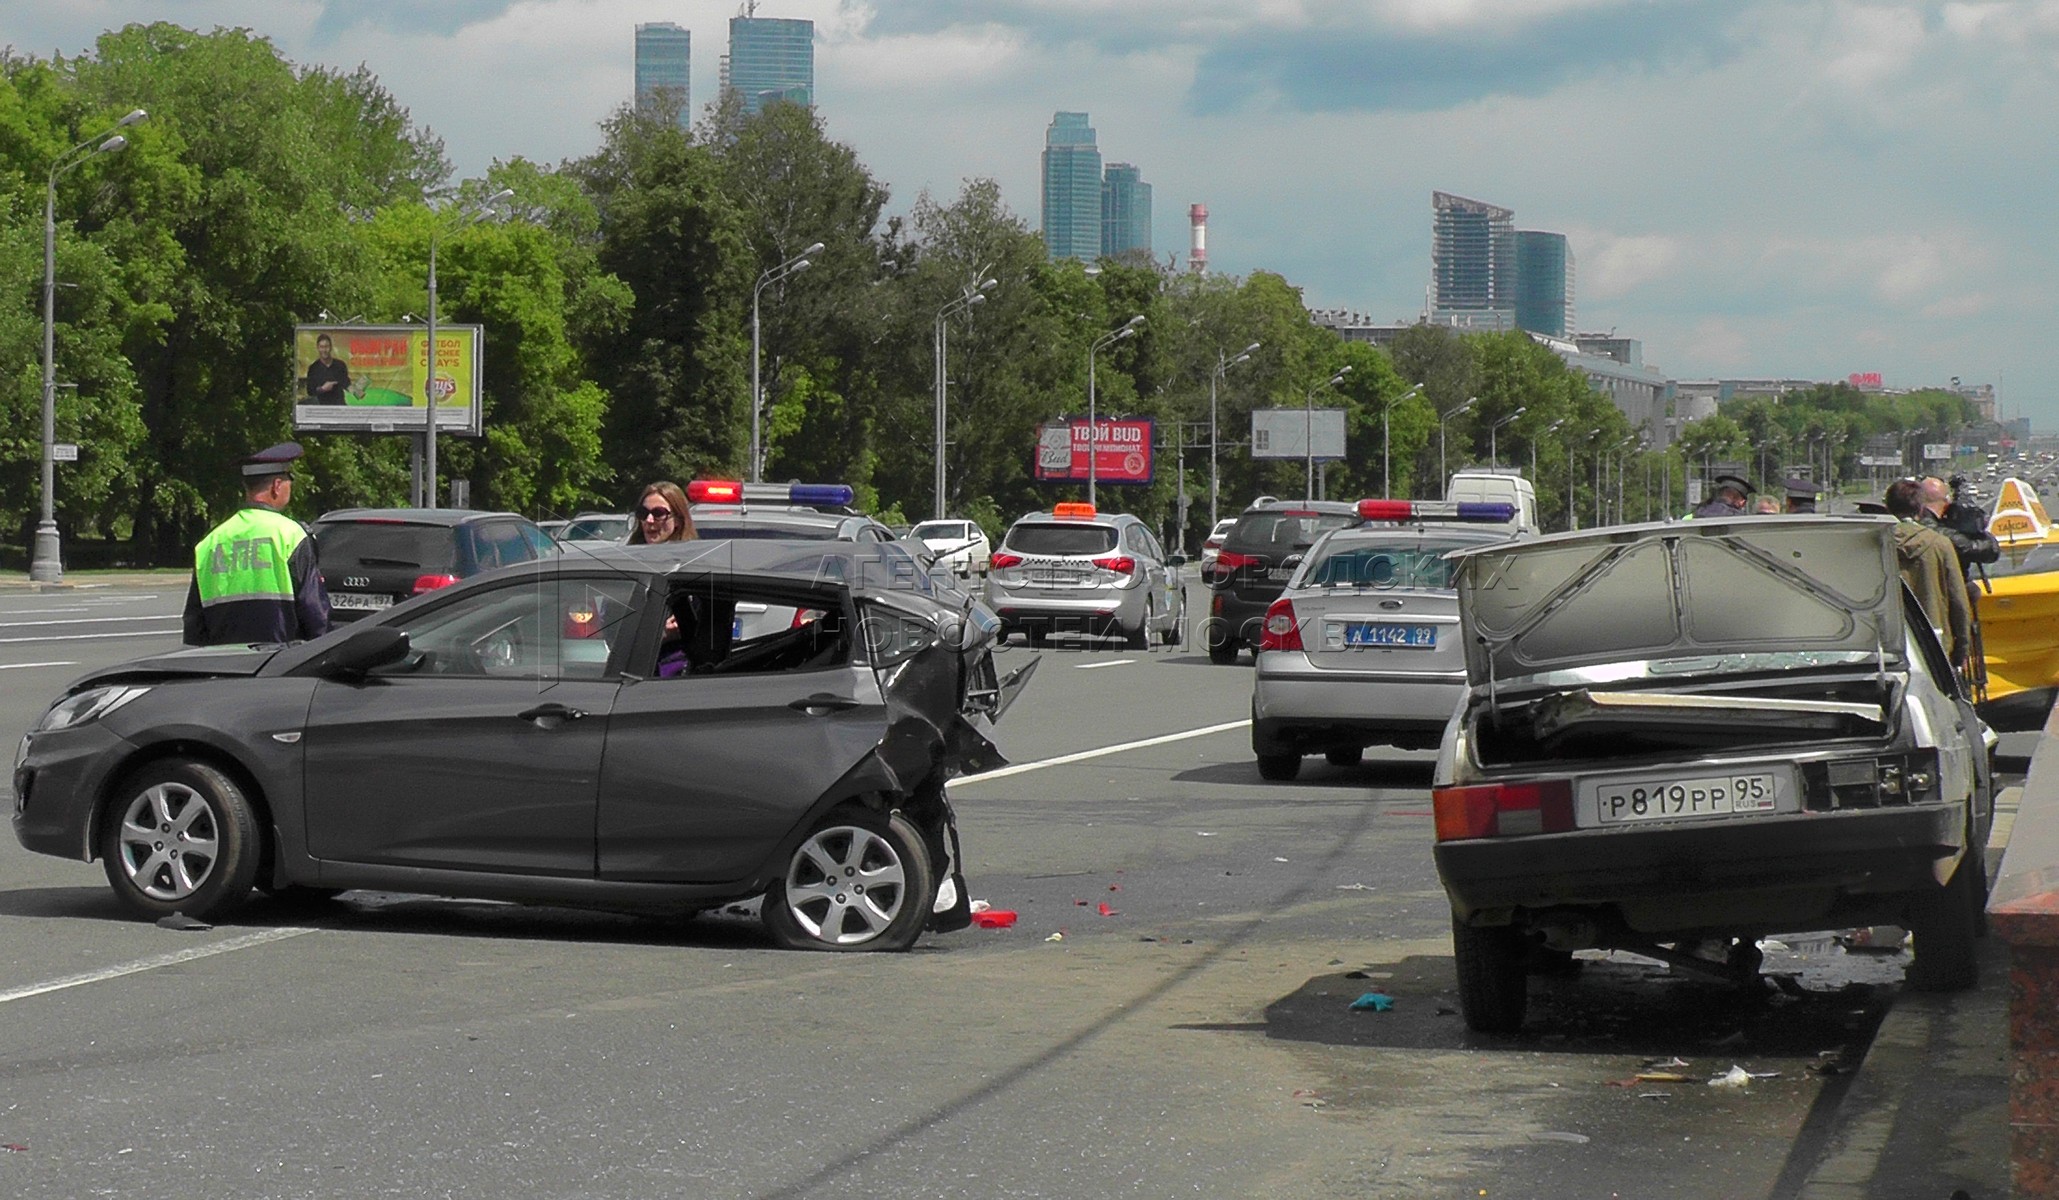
pixel 2023 910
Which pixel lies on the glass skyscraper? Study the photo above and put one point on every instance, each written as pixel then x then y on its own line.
pixel 1125 211
pixel 1472 255
pixel 664 60
pixel 771 58
pixel 1544 283
pixel 1072 189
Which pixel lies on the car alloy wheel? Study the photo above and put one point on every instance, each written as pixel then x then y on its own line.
pixel 179 837
pixel 858 882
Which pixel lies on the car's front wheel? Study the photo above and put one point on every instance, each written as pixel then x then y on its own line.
pixel 180 837
pixel 1493 983
pixel 1280 768
pixel 858 882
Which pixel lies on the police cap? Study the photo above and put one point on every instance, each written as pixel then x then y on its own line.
pixel 272 460
pixel 1743 485
pixel 1801 489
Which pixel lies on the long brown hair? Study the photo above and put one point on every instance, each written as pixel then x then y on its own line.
pixel 681 530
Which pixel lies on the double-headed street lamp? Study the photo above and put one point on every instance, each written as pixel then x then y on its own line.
pixel 975 293
pixel 46 563
pixel 1387 441
pixel 792 266
pixel 1223 363
pixel 1444 468
pixel 1308 423
pixel 1129 329
pixel 477 212
pixel 1541 434
pixel 1493 451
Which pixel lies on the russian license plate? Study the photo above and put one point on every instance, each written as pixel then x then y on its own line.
pixel 359 600
pixel 1382 633
pixel 1683 799
pixel 1054 575
pixel 1280 573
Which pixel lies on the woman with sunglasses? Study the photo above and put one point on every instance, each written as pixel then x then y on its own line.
pixel 660 515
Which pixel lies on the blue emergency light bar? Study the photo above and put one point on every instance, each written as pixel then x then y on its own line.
pixel 1436 510
pixel 718 491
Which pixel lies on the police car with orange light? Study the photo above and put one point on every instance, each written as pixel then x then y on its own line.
pixel 1079 570
pixel 1362 647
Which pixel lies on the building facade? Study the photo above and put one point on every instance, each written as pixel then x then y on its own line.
pixel 770 59
pixel 1544 283
pixel 664 66
pixel 1472 262
pixel 1072 189
pixel 1125 211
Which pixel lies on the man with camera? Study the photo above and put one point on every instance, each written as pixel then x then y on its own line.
pixel 1964 524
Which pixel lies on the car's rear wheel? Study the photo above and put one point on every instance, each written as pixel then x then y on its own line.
pixel 1279 767
pixel 179 836
pixel 1140 637
pixel 1493 986
pixel 1222 650
pixel 1946 922
pixel 858 882
pixel 1345 758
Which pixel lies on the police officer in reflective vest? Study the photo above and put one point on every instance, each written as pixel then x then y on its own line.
pixel 254 576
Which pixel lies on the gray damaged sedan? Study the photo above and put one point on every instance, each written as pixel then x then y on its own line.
pixel 1679 739
pixel 586 731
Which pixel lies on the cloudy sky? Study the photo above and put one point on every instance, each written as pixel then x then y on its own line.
pixel 1804 188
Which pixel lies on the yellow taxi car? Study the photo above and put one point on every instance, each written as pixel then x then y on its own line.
pixel 2019 602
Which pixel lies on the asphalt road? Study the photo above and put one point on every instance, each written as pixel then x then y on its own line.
pixel 1192 1038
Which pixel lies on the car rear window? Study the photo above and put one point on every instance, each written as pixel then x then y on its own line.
pixel 343 545
pixel 940 530
pixel 1282 531
pixel 595 529
pixel 1410 564
pixel 1051 537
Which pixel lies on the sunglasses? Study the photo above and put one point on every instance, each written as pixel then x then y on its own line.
pixel 655 514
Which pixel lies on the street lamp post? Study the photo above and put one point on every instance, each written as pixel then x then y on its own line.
pixel 1222 367
pixel 431 498
pixel 1387 441
pixel 46 561
pixel 1444 468
pixel 1129 329
pixel 1308 423
pixel 1493 450
pixel 792 266
pixel 1572 473
pixel 1533 446
pixel 974 294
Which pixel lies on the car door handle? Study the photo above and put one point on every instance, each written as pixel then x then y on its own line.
pixel 822 703
pixel 549 715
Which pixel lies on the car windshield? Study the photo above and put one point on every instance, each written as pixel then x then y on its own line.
pixel 597 529
pixel 2035 560
pixel 1053 537
pixel 343 545
pixel 939 531
pixel 1417 563
pixel 1276 532
pixel 738 530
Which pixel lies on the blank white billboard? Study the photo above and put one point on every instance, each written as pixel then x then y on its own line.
pixel 1288 432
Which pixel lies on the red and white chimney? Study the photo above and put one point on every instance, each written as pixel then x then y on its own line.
pixel 1197 249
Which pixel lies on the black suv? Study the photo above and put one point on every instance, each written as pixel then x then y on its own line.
pixel 375 557
pixel 1257 556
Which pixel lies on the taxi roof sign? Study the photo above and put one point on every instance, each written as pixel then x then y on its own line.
pixel 1073 508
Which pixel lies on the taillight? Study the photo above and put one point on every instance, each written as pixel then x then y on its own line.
pixel 1281 630
pixel 429 583
pixel 804 615
pixel 1503 809
pixel 1002 560
pixel 1230 560
pixel 1121 564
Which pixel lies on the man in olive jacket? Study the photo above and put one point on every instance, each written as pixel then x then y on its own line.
pixel 254 575
pixel 1930 566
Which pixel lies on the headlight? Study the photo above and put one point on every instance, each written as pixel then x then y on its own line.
pixel 89 705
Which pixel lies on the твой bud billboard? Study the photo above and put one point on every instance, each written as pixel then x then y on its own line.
pixel 1122 455
pixel 371 378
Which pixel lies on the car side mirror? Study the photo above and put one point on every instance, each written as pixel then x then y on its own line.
pixel 361 650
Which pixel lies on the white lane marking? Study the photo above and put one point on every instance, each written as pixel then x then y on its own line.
pixel 20 612
pixel 87 637
pixel 5 624
pixel 1103 752
pixel 1119 662
pixel 24 666
pixel 151 964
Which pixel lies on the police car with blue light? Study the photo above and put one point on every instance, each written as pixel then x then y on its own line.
pixel 1362 647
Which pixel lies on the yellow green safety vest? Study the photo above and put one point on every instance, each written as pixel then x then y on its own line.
pixel 248 557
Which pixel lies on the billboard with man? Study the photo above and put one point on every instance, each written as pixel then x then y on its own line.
pixel 371 378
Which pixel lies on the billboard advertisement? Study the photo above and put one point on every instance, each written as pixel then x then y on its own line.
pixel 370 378
pixel 1122 452
pixel 1289 433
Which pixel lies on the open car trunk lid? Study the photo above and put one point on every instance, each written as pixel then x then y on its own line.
pixel 1668 601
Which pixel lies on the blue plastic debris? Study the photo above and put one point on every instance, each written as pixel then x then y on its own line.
pixel 1376 1001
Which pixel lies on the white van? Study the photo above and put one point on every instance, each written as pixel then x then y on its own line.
pixel 1505 485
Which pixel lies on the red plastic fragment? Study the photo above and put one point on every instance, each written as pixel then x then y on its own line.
pixel 1105 910
pixel 994 918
